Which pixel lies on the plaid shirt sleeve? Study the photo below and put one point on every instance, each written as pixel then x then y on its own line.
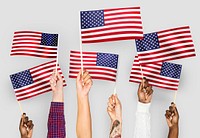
pixel 56 121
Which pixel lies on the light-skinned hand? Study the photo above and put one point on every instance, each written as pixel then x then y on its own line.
pixel 56 83
pixel 114 108
pixel 83 83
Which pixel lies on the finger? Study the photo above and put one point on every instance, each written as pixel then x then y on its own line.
pixel 140 88
pixel 22 120
pixel 30 133
pixel 59 76
pixel 26 120
pixel 54 74
pixel 109 109
pixel 88 82
pixel 29 122
pixel 168 113
pixel 175 110
pixel 79 76
pixel 111 100
pixel 86 78
pixel 149 89
pixel 52 84
pixel 111 106
pixel 117 99
pixel 31 127
pixel 169 122
pixel 149 93
pixel 145 83
pixel 85 74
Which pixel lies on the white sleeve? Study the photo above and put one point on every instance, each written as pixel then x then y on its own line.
pixel 142 124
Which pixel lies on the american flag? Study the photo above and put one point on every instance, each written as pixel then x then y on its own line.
pixel 34 81
pixel 166 45
pixel 111 25
pixel 101 66
pixel 37 44
pixel 163 74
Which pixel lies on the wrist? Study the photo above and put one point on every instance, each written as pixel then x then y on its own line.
pixel 143 101
pixel 174 127
pixel 24 136
pixel 58 97
pixel 82 96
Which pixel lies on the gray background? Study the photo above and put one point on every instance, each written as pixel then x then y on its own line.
pixel 61 16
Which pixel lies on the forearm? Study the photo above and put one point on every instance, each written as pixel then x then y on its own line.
pixel 84 126
pixel 56 121
pixel 173 132
pixel 142 124
pixel 116 129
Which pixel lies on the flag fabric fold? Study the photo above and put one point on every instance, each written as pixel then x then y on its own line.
pixel 111 25
pixel 36 44
pixel 162 74
pixel 102 66
pixel 166 45
pixel 34 81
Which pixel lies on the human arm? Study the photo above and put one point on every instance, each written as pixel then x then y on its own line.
pixel 84 123
pixel 26 127
pixel 114 110
pixel 56 120
pixel 142 125
pixel 172 118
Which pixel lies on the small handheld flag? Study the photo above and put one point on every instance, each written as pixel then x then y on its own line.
pixel 111 25
pixel 163 75
pixel 36 44
pixel 171 44
pixel 101 66
pixel 34 81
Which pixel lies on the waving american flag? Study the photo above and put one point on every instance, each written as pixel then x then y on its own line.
pixel 34 81
pixel 171 44
pixel 111 25
pixel 101 66
pixel 163 75
pixel 36 44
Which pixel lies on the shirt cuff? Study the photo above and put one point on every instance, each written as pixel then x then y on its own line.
pixel 143 108
pixel 57 107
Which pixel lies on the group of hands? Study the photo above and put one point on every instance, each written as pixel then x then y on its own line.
pixel 114 108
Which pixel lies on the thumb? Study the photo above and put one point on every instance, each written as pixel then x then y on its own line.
pixel 117 99
pixel 168 122
pixel 79 76
pixel 59 75
pixel 140 86
pixel 175 109
pixel 22 120
pixel 30 133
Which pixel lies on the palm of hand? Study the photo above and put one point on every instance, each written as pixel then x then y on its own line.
pixel 116 113
pixel 83 89
pixel 24 132
pixel 143 97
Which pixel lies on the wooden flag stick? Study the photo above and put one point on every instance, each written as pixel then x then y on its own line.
pixel 142 75
pixel 20 107
pixel 175 95
pixel 57 58
pixel 115 87
pixel 81 47
pixel 57 63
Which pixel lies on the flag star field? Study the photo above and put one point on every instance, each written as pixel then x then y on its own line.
pixel 171 70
